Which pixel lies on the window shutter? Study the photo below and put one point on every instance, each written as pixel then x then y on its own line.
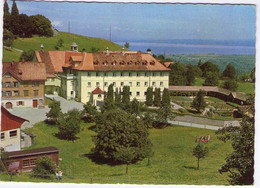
pixel 4 93
pixel 23 103
pixel 17 103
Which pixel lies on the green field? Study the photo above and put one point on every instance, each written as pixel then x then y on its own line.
pixel 172 162
pixel 243 63
pixel 9 55
pixel 49 43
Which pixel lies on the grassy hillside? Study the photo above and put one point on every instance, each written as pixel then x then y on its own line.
pixel 172 162
pixel 49 43
pixel 243 63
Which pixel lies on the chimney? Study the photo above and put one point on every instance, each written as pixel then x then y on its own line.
pixel 149 51
pixel 107 51
pixel 123 51
pixel 12 64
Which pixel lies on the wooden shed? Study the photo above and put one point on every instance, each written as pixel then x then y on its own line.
pixel 26 160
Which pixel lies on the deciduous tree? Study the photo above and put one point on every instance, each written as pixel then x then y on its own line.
pixel 240 163
pixel 211 79
pixel 55 112
pixel 200 151
pixel 198 102
pixel 230 85
pixel 69 124
pixel 230 72
pixel 120 133
pixel 44 168
pixel 89 112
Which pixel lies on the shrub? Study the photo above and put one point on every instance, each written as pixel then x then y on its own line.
pixel 44 168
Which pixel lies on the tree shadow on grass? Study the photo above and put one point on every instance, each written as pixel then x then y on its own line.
pixel 99 159
pixel 61 137
pixel 190 167
pixel 49 123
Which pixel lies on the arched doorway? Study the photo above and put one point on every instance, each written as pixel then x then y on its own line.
pixel 9 105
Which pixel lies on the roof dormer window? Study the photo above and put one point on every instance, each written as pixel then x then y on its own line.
pixel 152 63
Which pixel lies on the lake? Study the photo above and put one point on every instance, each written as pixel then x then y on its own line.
pixel 220 48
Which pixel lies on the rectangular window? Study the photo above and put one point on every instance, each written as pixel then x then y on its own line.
pixel 52 79
pixel 7 84
pixel 122 83
pixel 147 74
pixel 97 73
pixel 71 93
pixel 89 74
pixel 26 84
pixel 138 84
pixel 137 93
pixel 8 76
pixel 130 74
pixel 161 83
pixel 97 84
pixel 35 84
pixel 121 74
pixel 145 83
pixel 16 84
pixel 89 93
pixel 130 84
pixel 114 84
pixel 16 93
pixel 114 73
pixel 130 93
pixel 2 136
pixel 89 84
pixel 161 73
pixel 154 84
pixel 33 162
pixel 105 74
pixel 99 95
pixel 154 73
pixel 26 92
pixel 26 163
pixel 8 93
pixel 13 133
pixel 20 103
pixel 138 74
pixel 106 84
pixel 36 92
pixel 145 93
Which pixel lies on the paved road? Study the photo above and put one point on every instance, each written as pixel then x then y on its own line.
pixel 35 115
pixel 66 105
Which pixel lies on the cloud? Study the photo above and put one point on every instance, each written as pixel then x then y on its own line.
pixel 56 23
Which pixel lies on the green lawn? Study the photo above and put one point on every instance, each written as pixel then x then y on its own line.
pixel 172 162
pixel 246 87
pixel 9 55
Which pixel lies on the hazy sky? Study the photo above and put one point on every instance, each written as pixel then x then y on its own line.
pixel 148 21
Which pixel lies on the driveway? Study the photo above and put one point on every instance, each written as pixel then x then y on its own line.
pixel 35 115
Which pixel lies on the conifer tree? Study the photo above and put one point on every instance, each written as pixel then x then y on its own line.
pixel 6 16
pixel 198 102
pixel 166 101
pixel 110 93
pixel 117 97
pixel 149 96
pixel 14 19
pixel 157 97
pixel 126 95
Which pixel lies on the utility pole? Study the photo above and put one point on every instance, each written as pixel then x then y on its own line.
pixel 110 33
pixel 69 27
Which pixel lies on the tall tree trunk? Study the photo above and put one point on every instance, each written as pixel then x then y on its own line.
pixel 126 170
pixel 198 164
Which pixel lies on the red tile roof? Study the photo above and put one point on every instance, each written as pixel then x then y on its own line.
pixel 10 121
pixel 30 152
pixel 97 91
pixel 99 61
pixel 167 64
pixel 25 71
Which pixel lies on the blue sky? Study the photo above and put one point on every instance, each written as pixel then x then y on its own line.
pixel 148 21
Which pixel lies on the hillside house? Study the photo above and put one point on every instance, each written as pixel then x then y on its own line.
pixel 23 84
pixel 82 73
pixel 10 130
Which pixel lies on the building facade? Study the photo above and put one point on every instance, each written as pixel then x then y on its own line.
pixel 83 72
pixel 10 130
pixel 23 84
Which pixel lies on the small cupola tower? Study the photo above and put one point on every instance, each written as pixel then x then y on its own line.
pixel 74 47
